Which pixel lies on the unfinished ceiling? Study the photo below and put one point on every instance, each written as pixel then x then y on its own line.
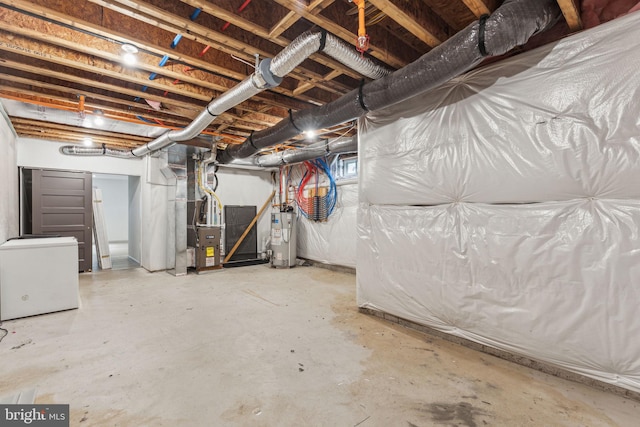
pixel 57 54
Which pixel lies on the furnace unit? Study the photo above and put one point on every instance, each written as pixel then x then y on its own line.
pixel 206 246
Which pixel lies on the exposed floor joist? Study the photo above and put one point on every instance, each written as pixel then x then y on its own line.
pixel 571 14
pixel 191 51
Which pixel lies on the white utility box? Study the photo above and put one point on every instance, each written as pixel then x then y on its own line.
pixel 283 239
pixel 38 275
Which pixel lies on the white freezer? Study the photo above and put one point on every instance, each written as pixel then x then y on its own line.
pixel 38 276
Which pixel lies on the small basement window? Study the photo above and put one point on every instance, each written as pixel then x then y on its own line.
pixel 347 167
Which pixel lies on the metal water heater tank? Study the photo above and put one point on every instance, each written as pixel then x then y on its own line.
pixel 283 239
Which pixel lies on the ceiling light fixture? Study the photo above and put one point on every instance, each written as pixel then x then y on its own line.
pixel 310 134
pixel 87 141
pixel 129 56
pixel 98 119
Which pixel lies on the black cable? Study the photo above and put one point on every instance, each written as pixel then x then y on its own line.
pixel 203 207
pixel 292 123
pixel 361 96
pixel 251 137
pixel 215 187
pixel 323 40
pixel 210 113
pixel 6 332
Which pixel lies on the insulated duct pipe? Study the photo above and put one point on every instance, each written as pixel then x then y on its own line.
pixel 268 74
pixel 260 80
pixel 76 150
pixel 313 151
pixel 512 24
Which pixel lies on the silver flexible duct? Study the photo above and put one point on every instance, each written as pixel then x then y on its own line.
pixel 310 42
pixel 76 150
pixel 510 25
pixel 313 151
pixel 244 90
pixel 268 74
pixel 344 53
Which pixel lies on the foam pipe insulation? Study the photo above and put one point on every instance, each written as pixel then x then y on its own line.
pixel 511 25
pixel 268 74
pixel 313 151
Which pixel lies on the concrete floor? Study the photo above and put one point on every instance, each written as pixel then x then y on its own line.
pixel 119 252
pixel 255 346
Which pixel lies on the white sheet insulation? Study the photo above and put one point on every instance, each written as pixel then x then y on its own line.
pixel 332 241
pixel 504 206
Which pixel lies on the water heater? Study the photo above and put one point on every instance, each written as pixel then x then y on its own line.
pixel 283 239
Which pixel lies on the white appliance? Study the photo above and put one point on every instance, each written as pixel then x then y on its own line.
pixel 283 239
pixel 38 275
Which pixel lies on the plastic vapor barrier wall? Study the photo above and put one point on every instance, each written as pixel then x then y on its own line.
pixel 332 241
pixel 504 206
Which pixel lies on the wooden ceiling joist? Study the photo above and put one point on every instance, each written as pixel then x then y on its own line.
pixel 10 82
pixel 571 14
pixel 314 7
pixel 38 124
pixel 381 53
pixel 419 24
pixel 145 40
pixel 105 68
pixel 479 7
pixel 14 88
pixel 55 53
pixel 188 29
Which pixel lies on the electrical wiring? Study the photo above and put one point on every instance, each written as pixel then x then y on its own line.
pixel 301 200
pixel 284 182
pixel 206 190
pixel 288 183
pixel 315 210
pixel 6 332
pixel 332 196
pixel 201 174
pixel 317 207
pixel 280 183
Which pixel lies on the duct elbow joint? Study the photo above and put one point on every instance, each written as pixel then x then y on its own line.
pixel 223 157
pixel 263 78
pixel 68 150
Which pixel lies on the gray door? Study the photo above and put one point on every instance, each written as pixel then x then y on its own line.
pixel 62 205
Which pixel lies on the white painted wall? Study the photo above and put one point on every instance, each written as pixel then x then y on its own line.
pixel 9 210
pixel 115 204
pixel 38 153
pixel 247 187
pixel 154 200
pixel 135 218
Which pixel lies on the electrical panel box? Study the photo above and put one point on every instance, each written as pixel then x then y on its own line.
pixel 207 248
pixel 283 239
